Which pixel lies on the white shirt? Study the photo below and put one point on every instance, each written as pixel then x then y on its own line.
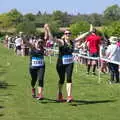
pixel 18 42
pixel 113 52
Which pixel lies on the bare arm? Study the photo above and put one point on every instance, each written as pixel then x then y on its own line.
pixel 83 36
pixel 48 35
pixel 27 43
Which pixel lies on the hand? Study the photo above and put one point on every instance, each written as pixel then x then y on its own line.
pixel 91 27
pixel 46 27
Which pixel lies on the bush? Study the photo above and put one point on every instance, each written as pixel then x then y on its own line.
pixel 79 27
pixel 26 27
pixel 113 29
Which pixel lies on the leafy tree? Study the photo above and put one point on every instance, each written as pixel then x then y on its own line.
pixel 79 27
pixel 5 21
pixel 15 16
pixel 29 17
pixel 62 18
pixel 112 13
pixel 113 29
pixel 26 27
pixel 95 19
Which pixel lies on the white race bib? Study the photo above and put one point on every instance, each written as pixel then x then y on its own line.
pixel 67 59
pixel 37 61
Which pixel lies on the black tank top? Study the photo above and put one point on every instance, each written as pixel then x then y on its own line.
pixel 37 58
pixel 66 49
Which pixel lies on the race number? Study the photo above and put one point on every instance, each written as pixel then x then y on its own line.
pixel 67 59
pixel 37 61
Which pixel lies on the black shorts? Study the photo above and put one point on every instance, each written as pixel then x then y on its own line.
pixel 93 54
pixel 18 47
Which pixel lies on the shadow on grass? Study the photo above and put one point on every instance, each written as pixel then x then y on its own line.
pixel 6 95
pixel 85 102
pixel 1 107
pixel 47 100
pixel 1 115
pixel 2 72
pixel 76 102
pixel 4 85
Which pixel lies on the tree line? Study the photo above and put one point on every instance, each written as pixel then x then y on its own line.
pixel 108 21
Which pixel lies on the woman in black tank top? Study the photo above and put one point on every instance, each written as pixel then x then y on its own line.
pixel 37 67
pixel 65 61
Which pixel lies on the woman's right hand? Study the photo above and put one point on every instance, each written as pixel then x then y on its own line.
pixel 46 27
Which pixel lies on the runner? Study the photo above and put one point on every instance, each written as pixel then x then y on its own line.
pixel 37 67
pixel 65 61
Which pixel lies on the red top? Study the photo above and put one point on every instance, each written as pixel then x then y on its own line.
pixel 93 41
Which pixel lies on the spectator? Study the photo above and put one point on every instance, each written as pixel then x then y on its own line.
pixel 93 44
pixel 113 54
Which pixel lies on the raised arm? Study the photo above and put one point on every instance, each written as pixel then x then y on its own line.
pixel 84 35
pixel 49 36
pixel 25 40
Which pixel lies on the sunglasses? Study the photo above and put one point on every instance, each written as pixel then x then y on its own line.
pixel 68 33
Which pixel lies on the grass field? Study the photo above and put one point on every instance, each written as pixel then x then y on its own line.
pixel 92 100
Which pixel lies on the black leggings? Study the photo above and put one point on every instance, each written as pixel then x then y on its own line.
pixel 62 69
pixel 114 71
pixel 37 74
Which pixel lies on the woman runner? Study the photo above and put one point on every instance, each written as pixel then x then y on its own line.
pixel 65 61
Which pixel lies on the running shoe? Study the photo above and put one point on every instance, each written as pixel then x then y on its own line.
pixel 69 98
pixel 40 96
pixel 60 98
pixel 33 92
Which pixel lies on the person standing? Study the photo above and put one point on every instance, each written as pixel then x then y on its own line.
pixel 18 44
pixel 37 67
pixel 65 61
pixel 113 54
pixel 93 43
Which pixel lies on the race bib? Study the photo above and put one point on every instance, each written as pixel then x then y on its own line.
pixel 67 59
pixel 37 61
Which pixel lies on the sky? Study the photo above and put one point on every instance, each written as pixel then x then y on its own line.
pixel 70 6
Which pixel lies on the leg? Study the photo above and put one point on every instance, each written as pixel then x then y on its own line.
pixel 94 64
pixel 33 74
pixel 61 73
pixel 41 73
pixel 116 72
pixel 88 66
pixel 69 71
pixel 111 67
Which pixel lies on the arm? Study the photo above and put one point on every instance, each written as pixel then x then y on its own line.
pixel 28 43
pixel 83 36
pixel 48 35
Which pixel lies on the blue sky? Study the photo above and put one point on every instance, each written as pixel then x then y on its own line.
pixel 70 6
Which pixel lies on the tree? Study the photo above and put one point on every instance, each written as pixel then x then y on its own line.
pixel 113 29
pixel 62 18
pixel 112 13
pixel 29 17
pixel 26 27
pixel 39 13
pixel 79 27
pixel 15 16
pixel 5 21
pixel 95 19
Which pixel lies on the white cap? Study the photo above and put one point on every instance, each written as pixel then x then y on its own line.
pixel 113 40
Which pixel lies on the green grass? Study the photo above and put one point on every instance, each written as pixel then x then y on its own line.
pixel 93 100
